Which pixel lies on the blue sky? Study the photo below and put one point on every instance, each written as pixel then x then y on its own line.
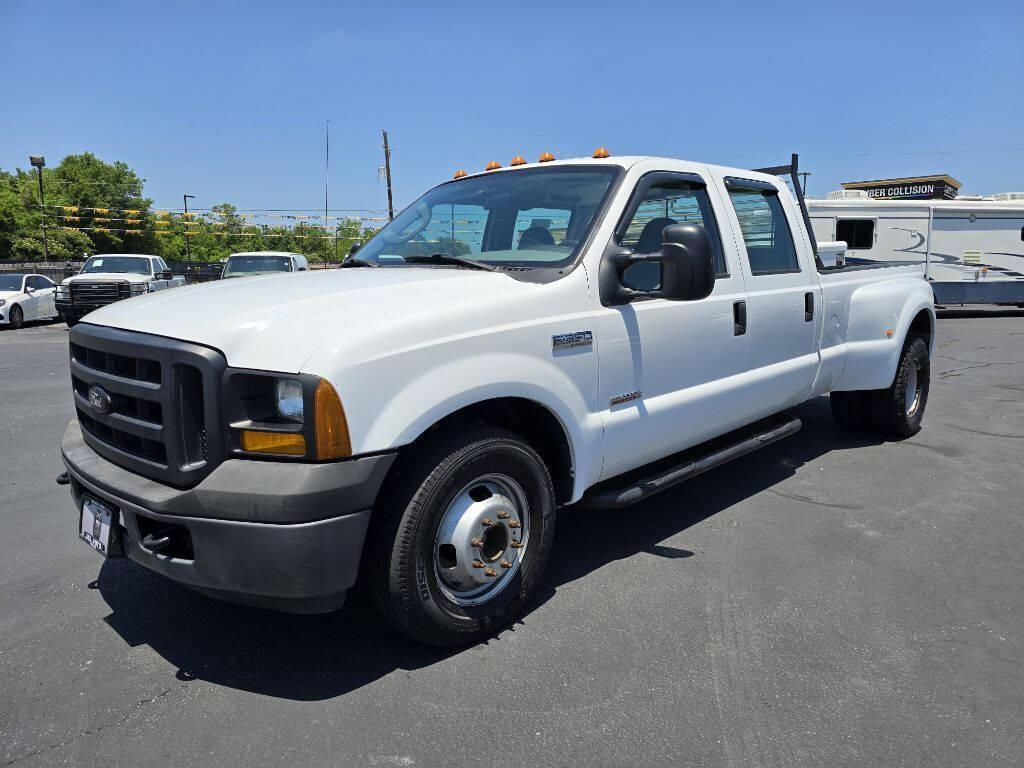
pixel 228 101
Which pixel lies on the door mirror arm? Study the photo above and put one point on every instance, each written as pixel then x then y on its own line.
pixel 687 267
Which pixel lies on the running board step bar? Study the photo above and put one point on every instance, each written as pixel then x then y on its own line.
pixel 720 450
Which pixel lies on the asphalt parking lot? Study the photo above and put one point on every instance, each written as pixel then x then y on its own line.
pixel 831 600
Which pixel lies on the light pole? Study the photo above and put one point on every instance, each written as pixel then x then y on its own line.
pixel 39 162
pixel 188 251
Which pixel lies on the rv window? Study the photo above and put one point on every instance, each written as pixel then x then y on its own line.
pixel 858 234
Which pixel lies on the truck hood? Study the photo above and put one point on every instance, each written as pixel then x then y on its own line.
pixel 100 277
pixel 278 321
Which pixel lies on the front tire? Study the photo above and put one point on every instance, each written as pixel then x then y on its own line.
pixel 461 537
pixel 16 318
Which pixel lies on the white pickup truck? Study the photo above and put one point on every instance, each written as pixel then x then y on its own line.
pixel 517 340
pixel 109 277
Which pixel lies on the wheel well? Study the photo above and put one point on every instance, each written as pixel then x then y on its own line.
pixel 922 323
pixel 531 421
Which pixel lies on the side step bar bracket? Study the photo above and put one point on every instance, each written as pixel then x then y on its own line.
pixel 747 440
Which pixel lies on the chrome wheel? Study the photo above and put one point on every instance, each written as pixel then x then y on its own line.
pixel 913 394
pixel 482 539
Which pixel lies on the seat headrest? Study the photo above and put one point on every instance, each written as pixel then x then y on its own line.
pixel 650 236
pixel 535 237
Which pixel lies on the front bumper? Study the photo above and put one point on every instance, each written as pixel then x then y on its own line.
pixel 280 535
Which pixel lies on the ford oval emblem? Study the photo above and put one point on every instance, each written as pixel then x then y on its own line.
pixel 100 400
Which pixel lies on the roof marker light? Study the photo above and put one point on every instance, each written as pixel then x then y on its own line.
pixel 546 157
pixel 493 166
pixel 459 174
pixel 518 160
pixel 601 153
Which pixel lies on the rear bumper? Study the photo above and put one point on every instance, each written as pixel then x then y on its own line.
pixel 286 536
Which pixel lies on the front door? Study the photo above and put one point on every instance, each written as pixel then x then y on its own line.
pixel 669 370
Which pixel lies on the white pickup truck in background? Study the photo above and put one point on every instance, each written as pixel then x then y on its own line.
pixel 106 278
pixel 517 340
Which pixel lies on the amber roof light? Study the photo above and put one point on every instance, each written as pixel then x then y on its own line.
pixel 601 153
pixel 546 157
pixel 493 166
pixel 459 174
pixel 518 160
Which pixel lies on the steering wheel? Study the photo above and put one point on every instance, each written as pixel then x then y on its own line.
pixel 409 232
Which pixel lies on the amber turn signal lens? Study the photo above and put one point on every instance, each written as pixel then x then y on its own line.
pixel 600 153
pixel 518 160
pixel 493 165
pixel 280 443
pixel 459 174
pixel 546 157
pixel 332 440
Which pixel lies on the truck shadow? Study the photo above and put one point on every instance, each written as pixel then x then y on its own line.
pixel 311 658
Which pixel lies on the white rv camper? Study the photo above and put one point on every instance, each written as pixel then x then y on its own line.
pixel 972 247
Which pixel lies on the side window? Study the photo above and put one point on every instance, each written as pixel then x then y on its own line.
pixel 667 202
pixel 766 232
pixel 39 282
pixel 540 228
pixel 858 234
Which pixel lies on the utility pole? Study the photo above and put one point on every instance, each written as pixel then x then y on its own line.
pixel 327 181
pixel 39 162
pixel 188 250
pixel 387 174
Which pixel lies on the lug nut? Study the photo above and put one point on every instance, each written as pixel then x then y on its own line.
pixel 487 522
pixel 477 543
pixel 516 544
pixel 478 564
pixel 490 572
pixel 506 564
pixel 503 515
pixel 514 524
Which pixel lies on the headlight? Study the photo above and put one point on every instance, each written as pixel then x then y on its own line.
pixel 288 399
pixel 63 291
pixel 299 416
pixel 2 302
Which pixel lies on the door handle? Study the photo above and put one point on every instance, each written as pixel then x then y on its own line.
pixel 808 307
pixel 739 318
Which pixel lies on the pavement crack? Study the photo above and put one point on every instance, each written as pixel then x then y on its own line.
pixel 809 500
pixel 89 732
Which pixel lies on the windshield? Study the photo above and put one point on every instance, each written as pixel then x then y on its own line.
pixel 536 217
pixel 136 264
pixel 10 282
pixel 247 265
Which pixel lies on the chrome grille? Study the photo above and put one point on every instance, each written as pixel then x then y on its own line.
pixel 162 402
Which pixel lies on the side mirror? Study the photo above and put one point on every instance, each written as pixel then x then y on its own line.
pixel 355 247
pixel 29 289
pixel 686 259
pixel 167 275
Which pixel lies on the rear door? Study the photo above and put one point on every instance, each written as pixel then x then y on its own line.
pixel 45 291
pixel 783 294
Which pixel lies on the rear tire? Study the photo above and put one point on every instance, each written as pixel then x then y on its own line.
pixel 409 575
pixel 851 410
pixel 16 318
pixel 898 410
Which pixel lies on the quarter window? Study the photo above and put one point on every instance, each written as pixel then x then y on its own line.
pixel 766 232
pixel 858 234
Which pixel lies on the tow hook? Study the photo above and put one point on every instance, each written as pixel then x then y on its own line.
pixel 63 479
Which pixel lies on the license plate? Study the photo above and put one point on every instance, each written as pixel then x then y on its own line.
pixel 97 529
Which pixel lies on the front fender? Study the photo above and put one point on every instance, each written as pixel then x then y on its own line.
pixel 880 316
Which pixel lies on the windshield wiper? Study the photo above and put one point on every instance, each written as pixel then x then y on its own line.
pixel 352 261
pixel 445 258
